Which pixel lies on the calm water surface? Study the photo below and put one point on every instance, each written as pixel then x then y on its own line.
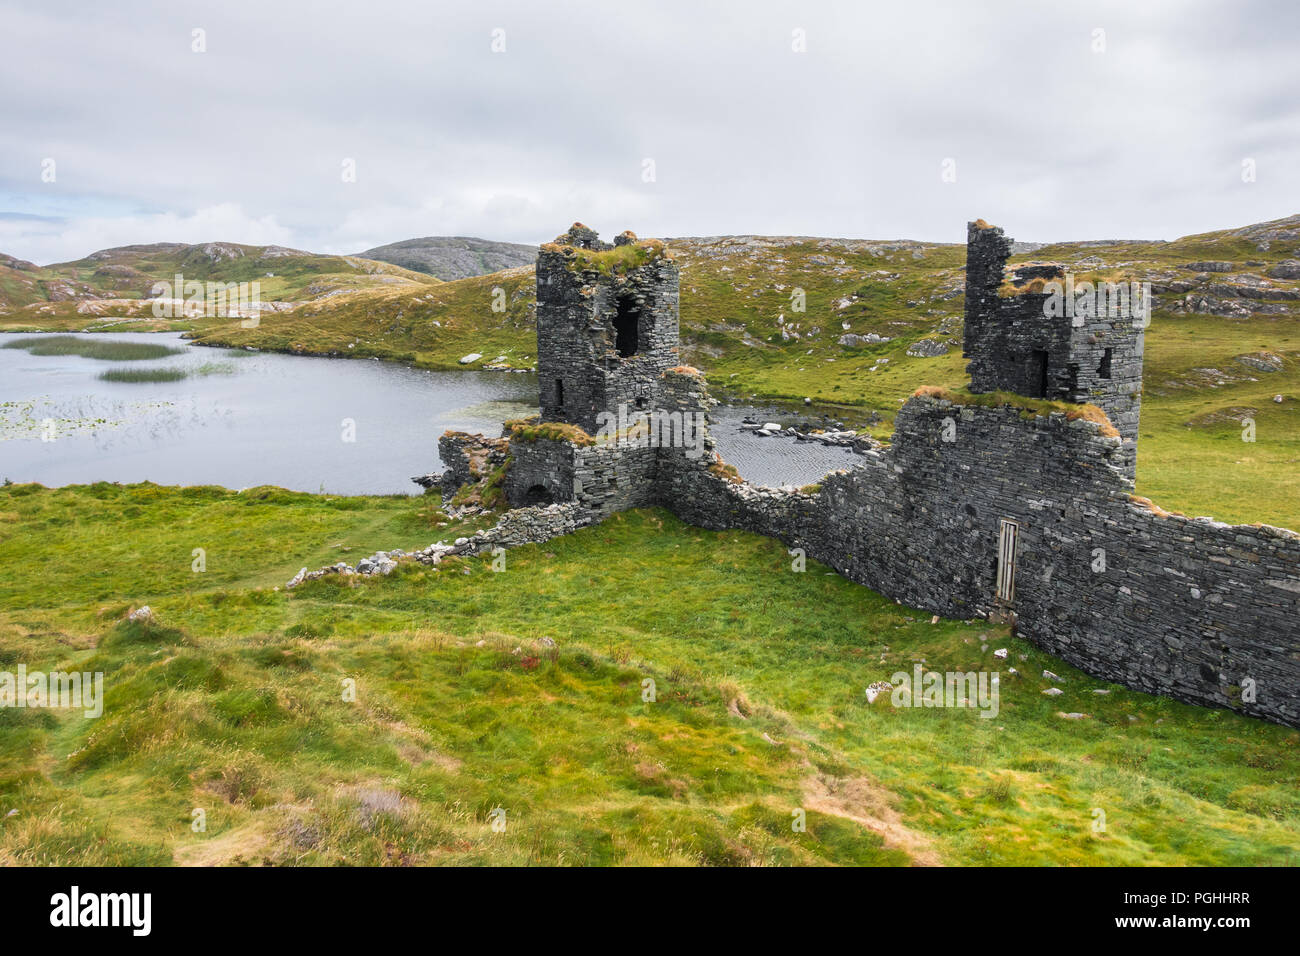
pixel 241 419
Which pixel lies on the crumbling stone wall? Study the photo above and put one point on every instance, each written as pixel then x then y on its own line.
pixel 601 479
pixel 467 458
pixel 1015 343
pixel 522 526
pixel 1191 608
pixel 582 303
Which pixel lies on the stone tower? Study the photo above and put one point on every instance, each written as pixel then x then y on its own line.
pixel 606 325
pixel 1038 334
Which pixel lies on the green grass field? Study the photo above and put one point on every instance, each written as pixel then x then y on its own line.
pixel 232 703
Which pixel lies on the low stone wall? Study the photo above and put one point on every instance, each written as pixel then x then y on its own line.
pixel 1192 608
pixel 522 526
pixel 602 479
pixel 517 527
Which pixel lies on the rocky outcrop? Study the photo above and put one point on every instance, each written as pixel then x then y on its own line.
pixel 453 257
pixel 928 348
pixel 851 340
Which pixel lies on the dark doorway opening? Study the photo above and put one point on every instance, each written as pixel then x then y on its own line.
pixel 627 327
pixel 1038 374
pixel 538 495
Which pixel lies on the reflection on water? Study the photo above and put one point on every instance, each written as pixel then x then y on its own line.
pixel 312 424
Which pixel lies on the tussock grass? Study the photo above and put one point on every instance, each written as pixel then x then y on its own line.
pixel 143 375
pixel 725 471
pixel 531 431
pixel 110 351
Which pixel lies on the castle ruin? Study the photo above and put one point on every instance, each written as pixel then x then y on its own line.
pixel 606 325
pixel 1011 501
pixel 1017 342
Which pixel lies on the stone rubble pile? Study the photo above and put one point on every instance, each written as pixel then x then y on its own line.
pixel 517 527
pixel 381 562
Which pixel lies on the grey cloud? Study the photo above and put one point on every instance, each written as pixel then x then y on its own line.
pixel 1049 138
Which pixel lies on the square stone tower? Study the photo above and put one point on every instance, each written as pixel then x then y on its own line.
pixel 607 326
pixel 1038 334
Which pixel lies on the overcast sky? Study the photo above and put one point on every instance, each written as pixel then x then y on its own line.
pixel 248 141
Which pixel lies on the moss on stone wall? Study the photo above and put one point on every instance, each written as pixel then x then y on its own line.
pixel 620 259
pixel 1033 407
pixel 727 472
pixel 530 431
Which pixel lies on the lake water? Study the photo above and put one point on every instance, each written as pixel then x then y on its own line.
pixel 345 426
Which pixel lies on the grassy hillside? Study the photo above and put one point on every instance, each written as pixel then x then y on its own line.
pixel 231 703
pixel 109 282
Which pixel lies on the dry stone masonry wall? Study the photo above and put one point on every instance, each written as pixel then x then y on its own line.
pixel 1187 607
pixel 606 325
pixel 1037 334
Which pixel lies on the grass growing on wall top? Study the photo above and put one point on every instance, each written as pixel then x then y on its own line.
pixel 1031 407
pixel 531 430
pixel 620 259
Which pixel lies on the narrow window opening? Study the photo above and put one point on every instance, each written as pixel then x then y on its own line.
pixel 1008 534
pixel 626 327
pixel 640 402
pixel 559 392
pixel 1104 369
pixel 1038 373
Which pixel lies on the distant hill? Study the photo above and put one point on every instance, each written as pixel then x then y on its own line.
pixel 129 272
pixel 453 257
